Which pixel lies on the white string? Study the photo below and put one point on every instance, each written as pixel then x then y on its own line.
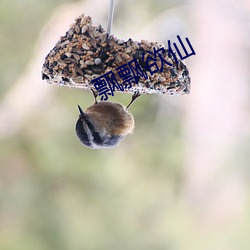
pixel 110 15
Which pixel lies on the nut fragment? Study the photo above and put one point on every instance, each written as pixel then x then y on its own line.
pixel 89 62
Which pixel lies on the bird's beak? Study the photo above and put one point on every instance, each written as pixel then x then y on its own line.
pixel 82 115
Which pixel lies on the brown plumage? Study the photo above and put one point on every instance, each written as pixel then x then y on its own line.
pixel 112 118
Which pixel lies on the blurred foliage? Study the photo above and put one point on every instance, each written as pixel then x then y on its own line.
pixel 56 194
pixel 20 23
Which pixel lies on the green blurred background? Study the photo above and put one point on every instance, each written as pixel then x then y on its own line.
pixel 180 182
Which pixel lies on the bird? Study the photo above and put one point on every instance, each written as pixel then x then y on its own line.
pixel 104 124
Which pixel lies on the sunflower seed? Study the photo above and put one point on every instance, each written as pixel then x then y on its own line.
pixel 85 46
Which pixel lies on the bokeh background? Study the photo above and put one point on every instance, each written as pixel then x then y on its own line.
pixel 180 182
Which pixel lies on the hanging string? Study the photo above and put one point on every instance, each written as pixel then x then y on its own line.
pixel 110 15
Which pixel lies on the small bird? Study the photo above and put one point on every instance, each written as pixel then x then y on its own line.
pixel 104 124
